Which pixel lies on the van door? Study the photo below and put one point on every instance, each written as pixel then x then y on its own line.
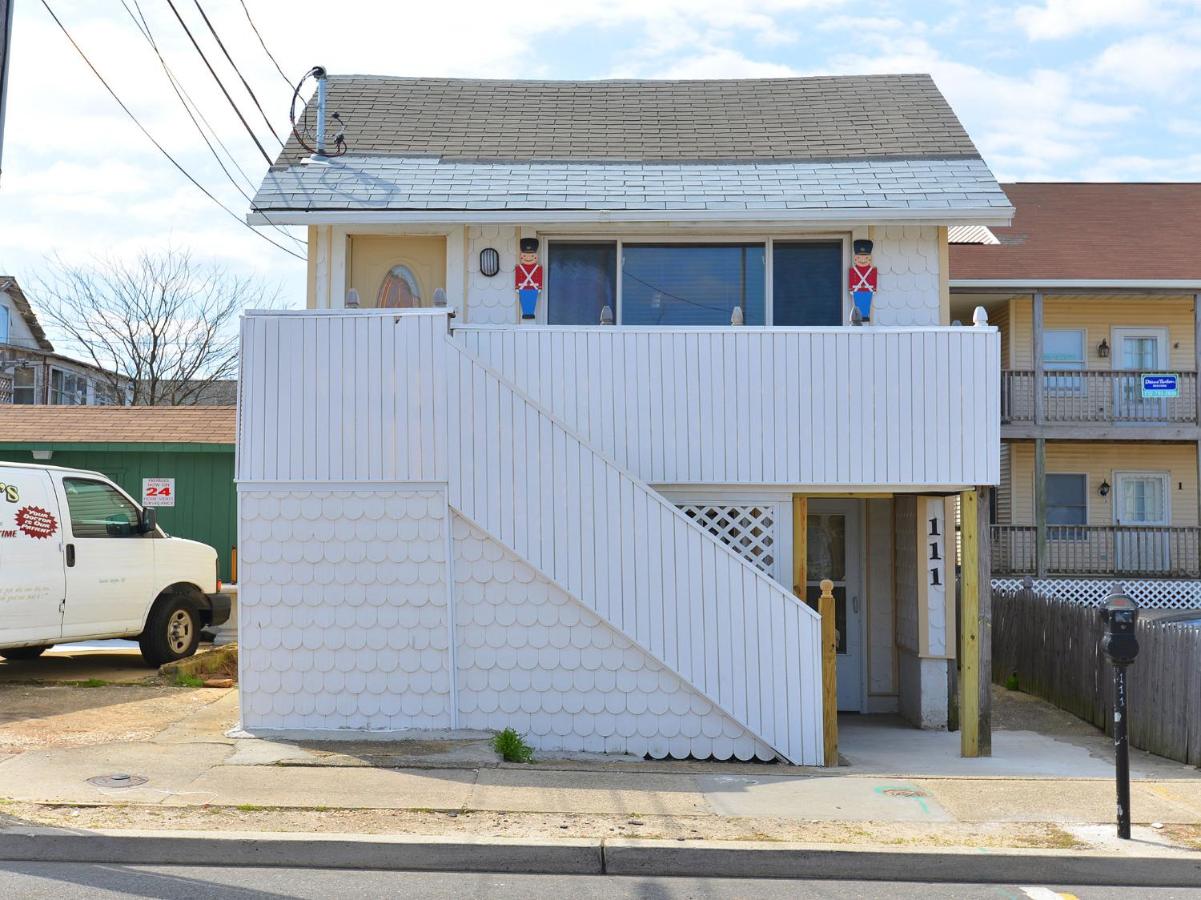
pixel 31 557
pixel 109 564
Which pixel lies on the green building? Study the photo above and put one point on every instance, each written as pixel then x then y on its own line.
pixel 193 445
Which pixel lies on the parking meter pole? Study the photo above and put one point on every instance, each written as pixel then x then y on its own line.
pixel 1120 646
pixel 1121 746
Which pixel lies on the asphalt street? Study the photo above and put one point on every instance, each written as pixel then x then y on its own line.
pixel 34 881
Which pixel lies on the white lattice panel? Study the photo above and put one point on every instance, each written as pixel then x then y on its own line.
pixel 749 530
pixel 1148 593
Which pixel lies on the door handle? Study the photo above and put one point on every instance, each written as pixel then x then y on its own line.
pixel 855 603
pixel 70 555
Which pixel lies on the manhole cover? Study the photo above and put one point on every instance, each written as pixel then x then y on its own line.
pixel 119 780
pixel 903 792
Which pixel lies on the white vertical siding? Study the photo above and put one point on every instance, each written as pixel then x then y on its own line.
pixel 823 406
pixel 343 396
pixel 643 589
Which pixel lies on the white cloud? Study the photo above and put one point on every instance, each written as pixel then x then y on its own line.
pixel 1154 63
pixel 1065 18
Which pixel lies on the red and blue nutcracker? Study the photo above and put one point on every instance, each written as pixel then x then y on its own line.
pixel 527 277
pixel 862 279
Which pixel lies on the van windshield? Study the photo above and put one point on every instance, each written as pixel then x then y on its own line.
pixel 98 510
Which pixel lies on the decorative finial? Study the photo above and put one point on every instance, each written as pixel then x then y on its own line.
pixel 856 316
pixel 980 317
pixel 606 315
pixel 352 299
pixel 439 296
pixel 736 317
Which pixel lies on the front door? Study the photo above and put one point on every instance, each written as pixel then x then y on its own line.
pixel 835 552
pixel 1139 351
pixel 1141 504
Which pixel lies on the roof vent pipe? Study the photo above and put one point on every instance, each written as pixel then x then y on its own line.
pixel 319 74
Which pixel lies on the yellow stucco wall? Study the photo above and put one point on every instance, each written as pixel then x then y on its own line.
pixel 370 256
pixel 1100 461
pixel 1098 316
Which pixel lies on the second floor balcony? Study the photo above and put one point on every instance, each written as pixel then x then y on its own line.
pixel 1094 398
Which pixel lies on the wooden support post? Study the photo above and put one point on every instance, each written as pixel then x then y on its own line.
pixel 1040 507
pixel 975 668
pixel 1039 394
pixel 800 546
pixel 829 673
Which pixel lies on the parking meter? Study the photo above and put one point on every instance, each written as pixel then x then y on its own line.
pixel 1120 646
pixel 1119 614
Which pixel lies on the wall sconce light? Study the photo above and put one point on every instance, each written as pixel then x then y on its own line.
pixel 1103 490
pixel 1103 349
pixel 43 455
pixel 489 262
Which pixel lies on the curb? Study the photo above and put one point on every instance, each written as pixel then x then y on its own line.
pixel 697 859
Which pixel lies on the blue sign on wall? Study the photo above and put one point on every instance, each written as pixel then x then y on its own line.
pixel 1160 385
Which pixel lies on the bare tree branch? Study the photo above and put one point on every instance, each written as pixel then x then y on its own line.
pixel 164 323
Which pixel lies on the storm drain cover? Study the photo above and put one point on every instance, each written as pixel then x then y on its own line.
pixel 118 780
pixel 903 792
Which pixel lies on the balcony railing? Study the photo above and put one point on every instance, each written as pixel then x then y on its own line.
pixel 1107 397
pixel 1120 550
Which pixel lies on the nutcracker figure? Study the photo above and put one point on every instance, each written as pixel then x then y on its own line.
pixel 862 279
pixel 527 277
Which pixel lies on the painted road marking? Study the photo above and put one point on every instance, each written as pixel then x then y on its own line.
pixel 1042 893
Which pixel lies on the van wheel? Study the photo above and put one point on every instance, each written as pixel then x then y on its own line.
pixel 172 631
pixel 16 653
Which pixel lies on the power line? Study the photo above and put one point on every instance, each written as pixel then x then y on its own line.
pixel 263 43
pixel 220 84
pixel 151 138
pixel 230 59
pixel 189 105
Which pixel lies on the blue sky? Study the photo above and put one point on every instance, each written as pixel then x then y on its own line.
pixel 1049 89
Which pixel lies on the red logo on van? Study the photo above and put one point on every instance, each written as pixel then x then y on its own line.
pixel 36 522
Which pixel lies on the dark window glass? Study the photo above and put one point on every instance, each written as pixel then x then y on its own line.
pixel 581 278
pixel 692 284
pixel 99 511
pixel 1067 503
pixel 807 283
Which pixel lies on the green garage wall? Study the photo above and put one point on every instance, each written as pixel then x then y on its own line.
pixel 205 501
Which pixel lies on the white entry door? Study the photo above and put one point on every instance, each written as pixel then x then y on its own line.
pixel 836 552
pixel 1139 351
pixel 1141 501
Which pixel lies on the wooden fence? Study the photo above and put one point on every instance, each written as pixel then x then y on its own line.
pixel 1054 648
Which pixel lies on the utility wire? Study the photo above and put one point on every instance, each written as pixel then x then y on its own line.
pixel 189 106
pixel 151 138
pixel 220 84
pixel 234 65
pixel 263 43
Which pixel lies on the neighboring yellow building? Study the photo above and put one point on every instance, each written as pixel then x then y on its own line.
pixel 1096 289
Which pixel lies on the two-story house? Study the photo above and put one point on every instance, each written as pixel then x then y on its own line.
pixel 583 412
pixel 31 372
pixel 1096 290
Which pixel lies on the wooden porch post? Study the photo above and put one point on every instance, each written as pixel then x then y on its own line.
pixel 1040 507
pixel 829 673
pixel 800 545
pixel 975 675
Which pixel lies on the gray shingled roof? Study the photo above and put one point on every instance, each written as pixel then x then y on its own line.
pixel 375 183
pixel 856 117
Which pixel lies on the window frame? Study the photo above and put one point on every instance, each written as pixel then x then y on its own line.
pixel 52 393
pixel 5 324
pixel 1059 385
pixel 112 487
pixel 1074 531
pixel 652 237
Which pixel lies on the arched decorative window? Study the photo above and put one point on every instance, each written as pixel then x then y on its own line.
pixel 399 290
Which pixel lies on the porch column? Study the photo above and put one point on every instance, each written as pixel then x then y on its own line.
pixel 1037 316
pixel 1040 507
pixel 975 623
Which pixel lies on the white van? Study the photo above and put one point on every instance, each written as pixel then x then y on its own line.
pixel 80 560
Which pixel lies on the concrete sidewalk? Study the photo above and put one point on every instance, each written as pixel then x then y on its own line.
pixel 900 788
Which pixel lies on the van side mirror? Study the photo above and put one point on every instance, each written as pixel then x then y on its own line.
pixel 149 520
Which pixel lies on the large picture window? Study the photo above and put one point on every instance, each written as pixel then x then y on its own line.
pixel 694 283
